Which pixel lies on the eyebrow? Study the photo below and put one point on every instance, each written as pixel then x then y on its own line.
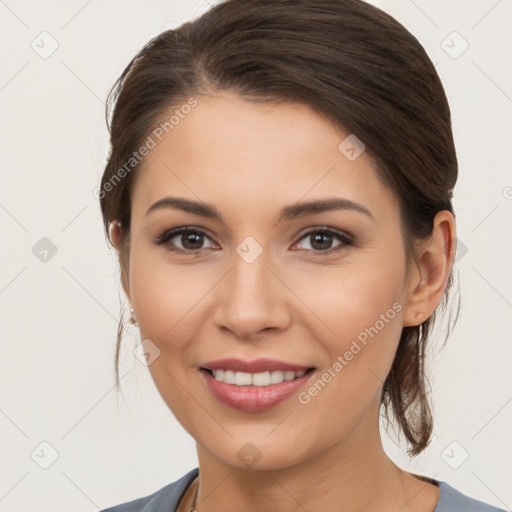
pixel 287 213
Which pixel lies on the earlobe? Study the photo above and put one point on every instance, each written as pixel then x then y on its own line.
pixel 114 232
pixel 433 265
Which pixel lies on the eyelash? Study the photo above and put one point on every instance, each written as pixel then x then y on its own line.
pixel 170 234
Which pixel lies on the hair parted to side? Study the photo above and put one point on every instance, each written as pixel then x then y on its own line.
pixel 352 63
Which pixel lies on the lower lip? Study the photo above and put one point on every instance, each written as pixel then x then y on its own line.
pixel 254 398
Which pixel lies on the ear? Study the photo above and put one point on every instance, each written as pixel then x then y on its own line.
pixel 429 276
pixel 115 232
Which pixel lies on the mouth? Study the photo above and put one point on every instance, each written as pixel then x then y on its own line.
pixel 254 391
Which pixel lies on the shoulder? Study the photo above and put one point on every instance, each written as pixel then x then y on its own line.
pixel 452 500
pixel 164 500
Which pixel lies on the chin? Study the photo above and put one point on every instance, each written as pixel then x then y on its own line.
pixel 261 452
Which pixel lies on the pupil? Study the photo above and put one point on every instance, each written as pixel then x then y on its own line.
pixel 194 237
pixel 319 238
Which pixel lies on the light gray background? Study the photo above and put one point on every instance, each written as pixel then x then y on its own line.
pixel 59 318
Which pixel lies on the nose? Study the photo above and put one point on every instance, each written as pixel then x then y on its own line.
pixel 252 299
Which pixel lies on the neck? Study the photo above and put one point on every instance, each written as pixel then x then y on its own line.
pixel 353 475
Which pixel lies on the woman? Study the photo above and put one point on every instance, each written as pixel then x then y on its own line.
pixel 279 194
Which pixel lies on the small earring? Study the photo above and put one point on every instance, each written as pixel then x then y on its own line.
pixel 419 315
pixel 132 317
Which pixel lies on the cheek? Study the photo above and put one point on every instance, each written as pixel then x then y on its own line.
pixel 166 296
pixel 349 299
pixel 357 318
pixel 364 313
pixel 167 300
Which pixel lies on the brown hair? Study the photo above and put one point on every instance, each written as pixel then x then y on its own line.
pixel 352 63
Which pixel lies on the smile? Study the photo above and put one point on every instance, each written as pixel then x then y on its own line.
pixel 254 391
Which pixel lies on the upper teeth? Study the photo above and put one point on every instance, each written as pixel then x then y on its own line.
pixel 255 379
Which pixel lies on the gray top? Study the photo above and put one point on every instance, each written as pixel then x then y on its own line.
pixel 168 498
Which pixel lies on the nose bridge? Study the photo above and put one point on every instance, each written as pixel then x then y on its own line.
pixel 251 299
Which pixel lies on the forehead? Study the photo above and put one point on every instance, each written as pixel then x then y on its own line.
pixel 230 151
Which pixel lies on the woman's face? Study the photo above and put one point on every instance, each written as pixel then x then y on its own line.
pixel 256 285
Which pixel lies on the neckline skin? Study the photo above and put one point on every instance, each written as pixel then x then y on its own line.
pixel 435 483
pixel 187 500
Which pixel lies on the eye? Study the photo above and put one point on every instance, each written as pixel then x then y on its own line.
pixel 191 239
pixel 322 238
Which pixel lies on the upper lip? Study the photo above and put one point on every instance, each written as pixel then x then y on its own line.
pixel 256 366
